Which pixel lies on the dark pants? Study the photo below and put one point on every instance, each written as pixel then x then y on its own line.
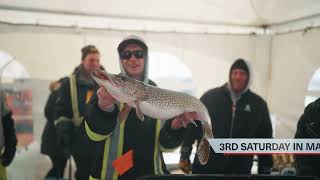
pixel 58 166
pixel 82 153
pixel 83 166
pixel 73 140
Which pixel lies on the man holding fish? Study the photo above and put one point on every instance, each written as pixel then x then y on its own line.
pixel 133 138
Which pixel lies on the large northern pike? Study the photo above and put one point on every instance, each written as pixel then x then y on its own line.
pixel 156 103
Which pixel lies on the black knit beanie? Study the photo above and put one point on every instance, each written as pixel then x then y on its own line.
pixel 88 50
pixel 240 64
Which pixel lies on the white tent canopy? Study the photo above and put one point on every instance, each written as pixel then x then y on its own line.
pixel 279 37
pixel 204 16
pixel 191 42
pixel 276 36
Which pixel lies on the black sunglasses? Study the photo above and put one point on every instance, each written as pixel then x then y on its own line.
pixel 127 54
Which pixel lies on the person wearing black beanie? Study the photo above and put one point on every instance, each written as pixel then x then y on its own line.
pixel 236 112
pixel 240 64
pixel 239 76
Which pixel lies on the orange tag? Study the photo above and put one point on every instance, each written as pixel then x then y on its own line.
pixel 124 162
pixel 88 96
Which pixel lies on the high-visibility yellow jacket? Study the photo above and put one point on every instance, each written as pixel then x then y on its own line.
pixel 147 139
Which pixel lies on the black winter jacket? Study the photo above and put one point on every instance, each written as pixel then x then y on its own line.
pixel 309 127
pixel 251 120
pixel 74 139
pixel 138 136
pixel 10 139
pixel 49 136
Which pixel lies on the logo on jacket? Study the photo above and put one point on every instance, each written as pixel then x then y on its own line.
pixel 247 108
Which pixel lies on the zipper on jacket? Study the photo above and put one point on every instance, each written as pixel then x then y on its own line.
pixel 227 158
pixel 234 108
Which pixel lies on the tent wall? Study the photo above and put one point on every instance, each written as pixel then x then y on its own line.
pixel 282 64
pixel 294 58
pixel 50 53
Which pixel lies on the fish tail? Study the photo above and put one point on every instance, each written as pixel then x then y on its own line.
pixel 203 150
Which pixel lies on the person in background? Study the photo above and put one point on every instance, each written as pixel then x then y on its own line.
pixel 73 96
pixel 8 139
pixel 49 144
pixel 236 112
pixel 309 127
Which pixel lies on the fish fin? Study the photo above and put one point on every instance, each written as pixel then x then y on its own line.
pixel 123 115
pixel 138 110
pixel 203 151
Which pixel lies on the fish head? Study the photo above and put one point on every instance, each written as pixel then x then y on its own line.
pixel 121 87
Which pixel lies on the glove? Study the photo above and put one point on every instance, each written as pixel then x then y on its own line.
pixel 185 166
